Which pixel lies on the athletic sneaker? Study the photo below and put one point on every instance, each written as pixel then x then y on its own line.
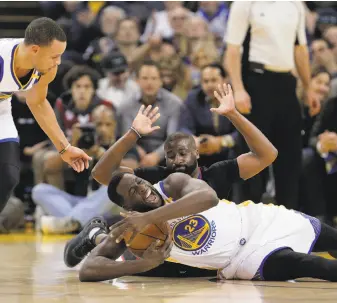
pixel 78 247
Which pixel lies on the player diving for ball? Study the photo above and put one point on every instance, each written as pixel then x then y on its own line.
pixel 28 65
pixel 246 241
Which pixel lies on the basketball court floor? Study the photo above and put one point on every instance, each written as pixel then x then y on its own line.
pixel 32 270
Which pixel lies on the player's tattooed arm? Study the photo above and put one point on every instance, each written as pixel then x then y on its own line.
pixel 101 264
pixel 191 196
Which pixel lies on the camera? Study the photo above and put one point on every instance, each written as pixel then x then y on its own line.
pixel 88 137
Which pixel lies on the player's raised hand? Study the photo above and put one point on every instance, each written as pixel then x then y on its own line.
pixel 224 95
pixel 76 158
pixel 133 222
pixel 144 120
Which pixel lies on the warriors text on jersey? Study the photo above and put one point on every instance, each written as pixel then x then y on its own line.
pixel 237 238
pixel 9 83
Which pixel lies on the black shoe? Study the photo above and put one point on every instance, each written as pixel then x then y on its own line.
pixel 78 247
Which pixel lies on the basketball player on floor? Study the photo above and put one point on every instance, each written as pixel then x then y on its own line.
pixel 30 64
pixel 247 241
pixel 181 155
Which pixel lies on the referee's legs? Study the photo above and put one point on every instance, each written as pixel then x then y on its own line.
pixel 276 112
pixel 9 170
pixel 288 140
pixel 262 95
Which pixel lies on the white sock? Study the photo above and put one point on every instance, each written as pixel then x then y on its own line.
pixel 93 232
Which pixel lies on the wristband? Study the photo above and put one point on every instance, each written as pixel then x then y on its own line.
pixel 138 134
pixel 65 149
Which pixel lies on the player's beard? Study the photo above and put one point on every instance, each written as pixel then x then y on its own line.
pixel 187 168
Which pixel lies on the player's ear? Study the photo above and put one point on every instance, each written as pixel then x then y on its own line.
pixel 35 48
pixel 197 154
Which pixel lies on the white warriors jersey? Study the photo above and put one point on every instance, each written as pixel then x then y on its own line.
pixel 225 235
pixel 208 239
pixel 9 83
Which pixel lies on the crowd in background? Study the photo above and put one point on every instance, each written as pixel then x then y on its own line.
pixel 120 54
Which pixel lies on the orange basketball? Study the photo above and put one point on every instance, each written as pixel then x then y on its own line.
pixel 144 239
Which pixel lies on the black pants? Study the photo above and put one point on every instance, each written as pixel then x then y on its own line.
pixel 9 170
pixel 286 264
pixel 277 113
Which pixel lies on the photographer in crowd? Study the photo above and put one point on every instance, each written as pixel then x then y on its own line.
pixel 66 213
pixel 73 107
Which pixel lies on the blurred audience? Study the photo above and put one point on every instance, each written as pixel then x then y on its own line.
pixel 73 109
pixel 215 14
pixel 176 76
pixel 159 24
pixel 123 54
pixel 150 149
pixel 65 213
pixel 215 135
pixel 117 86
pixel 323 56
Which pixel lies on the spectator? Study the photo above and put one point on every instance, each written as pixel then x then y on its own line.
pixel 196 31
pixel 215 14
pixel 320 83
pixel 214 134
pixel 177 18
pixel 324 141
pixel 100 47
pixel 127 41
pixel 65 213
pixel 117 86
pixel 151 148
pixel 323 57
pixel 311 190
pixel 175 75
pixel 163 51
pixel 72 108
pixel 159 23
pixel 330 35
pixel 204 53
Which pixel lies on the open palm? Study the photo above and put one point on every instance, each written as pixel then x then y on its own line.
pixel 224 95
pixel 144 120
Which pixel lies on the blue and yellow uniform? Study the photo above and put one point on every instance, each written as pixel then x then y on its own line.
pixel 9 83
pixel 236 239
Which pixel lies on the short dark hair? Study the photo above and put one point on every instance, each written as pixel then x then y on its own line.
pixel 77 72
pixel 112 189
pixel 319 70
pixel 119 23
pixel 217 66
pixel 179 136
pixel 148 63
pixel 43 31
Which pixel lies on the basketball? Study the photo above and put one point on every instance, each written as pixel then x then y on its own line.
pixel 147 236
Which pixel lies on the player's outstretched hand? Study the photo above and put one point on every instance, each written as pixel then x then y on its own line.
pixel 144 120
pixel 158 254
pixel 133 222
pixel 76 158
pixel 224 95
